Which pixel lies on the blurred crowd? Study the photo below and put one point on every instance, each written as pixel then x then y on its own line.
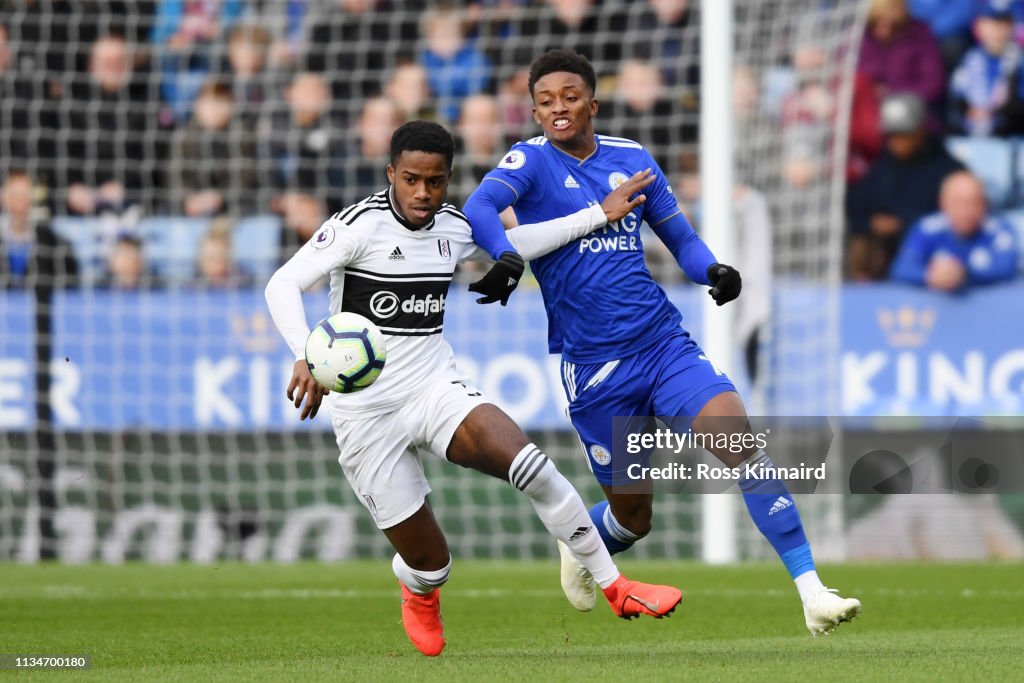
pixel 216 110
pixel 938 103
pixel 220 109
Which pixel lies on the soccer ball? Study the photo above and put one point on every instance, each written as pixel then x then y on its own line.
pixel 345 352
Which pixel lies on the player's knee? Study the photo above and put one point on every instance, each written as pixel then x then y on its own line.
pixel 488 441
pixel 428 558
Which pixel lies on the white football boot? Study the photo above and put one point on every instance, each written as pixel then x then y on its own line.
pixel 577 581
pixel 825 610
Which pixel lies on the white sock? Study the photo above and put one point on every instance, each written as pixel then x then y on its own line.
pixel 562 511
pixel 808 584
pixel 420 581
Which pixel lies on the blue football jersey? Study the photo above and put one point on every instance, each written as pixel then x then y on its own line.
pixel 601 300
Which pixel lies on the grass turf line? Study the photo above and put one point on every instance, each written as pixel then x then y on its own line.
pixel 508 621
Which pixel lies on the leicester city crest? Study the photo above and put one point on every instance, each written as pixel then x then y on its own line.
pixel 616 179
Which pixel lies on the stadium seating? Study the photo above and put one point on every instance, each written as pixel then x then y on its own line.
pixel 256 245
pixel 88 238
pixel 171 245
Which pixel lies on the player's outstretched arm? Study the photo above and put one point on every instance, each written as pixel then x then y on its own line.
pixel 696 259
pixel 536 239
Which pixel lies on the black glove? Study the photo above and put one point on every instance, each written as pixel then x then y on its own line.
pixel 725 283
pixel 501 280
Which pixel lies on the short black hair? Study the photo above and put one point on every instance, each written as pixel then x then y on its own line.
pixel 16 172
pixel 422 136
pixel 563 59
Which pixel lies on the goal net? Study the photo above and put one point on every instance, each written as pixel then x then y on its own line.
pixel 142 408
pixel 794 75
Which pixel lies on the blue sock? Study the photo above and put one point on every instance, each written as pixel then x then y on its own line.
pixel 773 510
pixel 616 537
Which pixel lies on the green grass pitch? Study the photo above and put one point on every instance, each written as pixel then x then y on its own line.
pixel 508 621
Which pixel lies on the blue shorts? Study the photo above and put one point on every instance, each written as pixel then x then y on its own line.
pixel 672 379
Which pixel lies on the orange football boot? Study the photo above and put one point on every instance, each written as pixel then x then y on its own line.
pixel 421 617
pixel 629 599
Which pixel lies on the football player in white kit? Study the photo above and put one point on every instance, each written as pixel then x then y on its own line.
pixel 391 258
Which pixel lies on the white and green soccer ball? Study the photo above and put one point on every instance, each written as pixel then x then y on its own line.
pixel 345 352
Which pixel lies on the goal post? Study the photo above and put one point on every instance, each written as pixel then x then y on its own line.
pixel 718 511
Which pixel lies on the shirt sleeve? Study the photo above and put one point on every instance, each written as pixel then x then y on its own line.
pixel 534 240
pixel 911 262
pixel 501 188
pixel 334 245
pixel 517 169
pixel 661 204
pixel 690 252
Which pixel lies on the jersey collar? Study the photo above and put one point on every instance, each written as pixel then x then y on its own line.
pixel 577 161
pixel 400 218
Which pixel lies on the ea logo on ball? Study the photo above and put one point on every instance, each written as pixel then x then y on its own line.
pixel 616 179
pixel 600 454
pixel 384 304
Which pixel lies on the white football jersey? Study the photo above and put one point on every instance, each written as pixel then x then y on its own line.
pixel 398 277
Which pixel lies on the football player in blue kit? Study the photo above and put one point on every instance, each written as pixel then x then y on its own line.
pixel 624 350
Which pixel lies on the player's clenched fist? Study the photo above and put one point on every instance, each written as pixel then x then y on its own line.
pixel 501 280
pixel 725 283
